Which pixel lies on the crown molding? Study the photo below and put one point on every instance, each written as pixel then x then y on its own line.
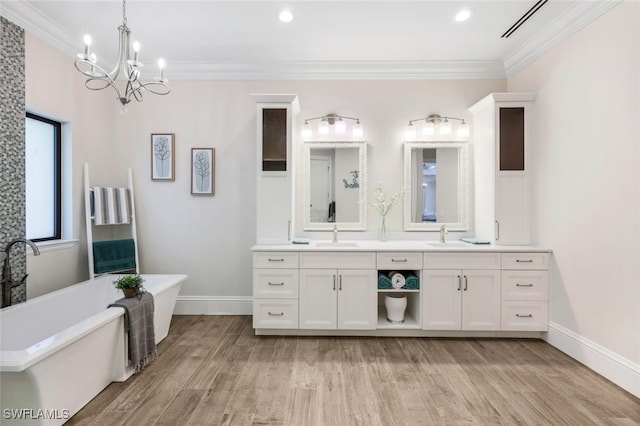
pixel 339 70
pixel 574 19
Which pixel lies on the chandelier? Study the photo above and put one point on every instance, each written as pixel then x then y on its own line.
pixel 99 78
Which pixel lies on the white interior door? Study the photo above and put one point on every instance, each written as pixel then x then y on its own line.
pixel 320 188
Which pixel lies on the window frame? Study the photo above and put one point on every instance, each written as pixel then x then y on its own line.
pixel 57 181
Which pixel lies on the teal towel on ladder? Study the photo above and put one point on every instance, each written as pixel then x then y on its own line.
pixel 114 256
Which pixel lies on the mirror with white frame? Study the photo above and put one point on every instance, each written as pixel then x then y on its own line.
pixel 436 185
pixel 335 186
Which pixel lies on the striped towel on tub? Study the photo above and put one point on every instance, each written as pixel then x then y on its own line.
pixel 111 206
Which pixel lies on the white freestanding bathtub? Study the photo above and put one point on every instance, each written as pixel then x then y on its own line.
pixel 59 350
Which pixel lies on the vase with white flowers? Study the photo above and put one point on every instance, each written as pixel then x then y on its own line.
pixel 382 206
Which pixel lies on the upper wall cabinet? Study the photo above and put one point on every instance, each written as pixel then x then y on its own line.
pixel 274 119
pixel 436 185
pixel 335 177
pixel 502 125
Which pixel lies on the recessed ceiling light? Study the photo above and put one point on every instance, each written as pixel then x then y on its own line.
pixel 286 16
pixel 463 15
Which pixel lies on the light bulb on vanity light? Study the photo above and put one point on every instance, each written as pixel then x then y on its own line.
pixel 428 129
pixel 306 130
pixel 341 126
pixel 445 127
pixel 463 130
pixel 323 127
pixel 410 133
pixel 357 130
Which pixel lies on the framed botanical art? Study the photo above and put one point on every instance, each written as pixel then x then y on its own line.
pixel 162 156
pixel 202 171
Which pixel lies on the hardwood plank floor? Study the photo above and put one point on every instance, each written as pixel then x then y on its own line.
pixel 212 370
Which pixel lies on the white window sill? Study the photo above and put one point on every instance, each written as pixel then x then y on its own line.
pixel 53 245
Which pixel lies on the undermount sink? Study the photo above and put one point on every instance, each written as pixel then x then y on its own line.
pixel 338 244
pixel 448 244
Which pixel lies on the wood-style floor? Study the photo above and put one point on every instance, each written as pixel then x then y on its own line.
pixel 212 370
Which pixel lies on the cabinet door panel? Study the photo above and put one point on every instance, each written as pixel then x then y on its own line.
pixel 318 301
pixel 357 299
pixel 442 302
pixel 481 300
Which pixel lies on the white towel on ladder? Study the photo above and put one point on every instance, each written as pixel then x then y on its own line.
pixel 111 206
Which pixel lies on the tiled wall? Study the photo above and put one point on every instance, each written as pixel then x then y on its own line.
pixel 12 147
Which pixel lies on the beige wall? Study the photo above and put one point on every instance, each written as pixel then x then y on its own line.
pixel 586 194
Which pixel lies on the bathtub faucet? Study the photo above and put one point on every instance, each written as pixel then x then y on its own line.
pixel 7 280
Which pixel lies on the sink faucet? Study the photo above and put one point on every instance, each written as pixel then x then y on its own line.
pixel 335 233
pixel 7 282
pixel 443 232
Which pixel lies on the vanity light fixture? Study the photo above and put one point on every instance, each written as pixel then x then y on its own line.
pixel 99 78
pixel 339 123
pixel 285 15
pixel 443 124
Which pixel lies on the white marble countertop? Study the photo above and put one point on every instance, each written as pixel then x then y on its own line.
pixel 396 245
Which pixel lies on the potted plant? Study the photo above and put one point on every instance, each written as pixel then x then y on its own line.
pixel 131 285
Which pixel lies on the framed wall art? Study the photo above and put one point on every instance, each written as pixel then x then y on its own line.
pixel 202 171
pixel 162 156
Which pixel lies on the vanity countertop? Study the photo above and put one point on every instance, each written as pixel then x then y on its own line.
pixel 396 245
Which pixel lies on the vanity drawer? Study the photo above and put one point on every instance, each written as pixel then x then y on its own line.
pixel 525 261
pixel 275 283
pixel 457 260
pixel 336 260
pixel 525 316
pixel 275 313
pixel 275 259
pixel 525 285
pixel 399 260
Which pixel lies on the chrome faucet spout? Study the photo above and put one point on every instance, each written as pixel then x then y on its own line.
pixel 443 233
pixel 7 282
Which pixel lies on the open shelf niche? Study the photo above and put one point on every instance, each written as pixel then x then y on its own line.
pixel 412 318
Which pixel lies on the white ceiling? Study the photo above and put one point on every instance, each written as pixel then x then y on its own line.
pixel 327 39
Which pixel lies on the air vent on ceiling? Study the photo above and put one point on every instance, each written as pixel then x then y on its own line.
pixel 524 18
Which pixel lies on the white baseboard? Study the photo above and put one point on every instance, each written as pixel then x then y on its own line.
pixel 619 370
pixel 214 305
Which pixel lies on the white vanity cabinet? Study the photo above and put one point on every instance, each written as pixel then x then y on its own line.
pixel 458 297
pixel 275 187
pixel 525 292
pixel 501 138
pixel 275 290
pixel 337 298
pixel 324 288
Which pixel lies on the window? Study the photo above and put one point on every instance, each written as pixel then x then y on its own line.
pixel 43 174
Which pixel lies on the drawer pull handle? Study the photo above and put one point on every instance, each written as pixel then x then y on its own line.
pixel 524 260
pixel 270 283
pixel 524 316
pixel 276 314
pixel 334 283
pixel 524 285
pixel 340 280
pixel 459 283
pixel 276 260
pixel 399 260
pixel 466 283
